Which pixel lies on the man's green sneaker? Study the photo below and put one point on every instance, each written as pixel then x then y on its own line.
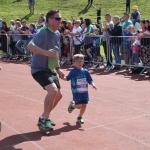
pixel 41 120
pixel 80 120
pixel 70 108
pixel 45 125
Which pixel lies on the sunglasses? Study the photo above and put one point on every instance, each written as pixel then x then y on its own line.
pixel 79 61
pixel 57 18
pixel 23 22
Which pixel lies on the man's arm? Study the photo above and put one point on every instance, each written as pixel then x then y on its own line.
pixel 113 32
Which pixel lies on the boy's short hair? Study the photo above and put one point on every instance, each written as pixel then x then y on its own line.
pixel 77 56
pixel 77 21
pixel 96 29
pixel 130 26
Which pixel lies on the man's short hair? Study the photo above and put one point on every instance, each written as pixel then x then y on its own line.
pixel 117 17
pixel 107 15
pixel 126 14
pixel 50 14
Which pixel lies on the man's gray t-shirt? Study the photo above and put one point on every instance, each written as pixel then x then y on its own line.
pixel 45 39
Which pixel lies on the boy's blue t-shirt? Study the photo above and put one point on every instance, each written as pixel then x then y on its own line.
pixel 79 83
pixel 96 41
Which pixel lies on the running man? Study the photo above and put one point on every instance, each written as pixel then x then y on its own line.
pixel 45 66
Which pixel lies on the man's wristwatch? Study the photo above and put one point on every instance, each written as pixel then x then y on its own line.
pixel 57 68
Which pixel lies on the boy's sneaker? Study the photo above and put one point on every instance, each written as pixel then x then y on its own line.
pixel 80 120
pixel 42 120
pixel 45 125
pixel 70 108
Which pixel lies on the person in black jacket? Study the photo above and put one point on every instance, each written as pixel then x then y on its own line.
pixel 116 41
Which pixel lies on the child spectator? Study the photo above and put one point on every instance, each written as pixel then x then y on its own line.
pixel 69 24
pixel 128 43
pixel 12 25
pixel 80 78
pixel 136 14
pixel 95 49
pixel 135 52
pixel 43 17
pixel 39 23
pixel 32 31
pixel 76 38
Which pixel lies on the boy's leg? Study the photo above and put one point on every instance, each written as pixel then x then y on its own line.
pixel 82 110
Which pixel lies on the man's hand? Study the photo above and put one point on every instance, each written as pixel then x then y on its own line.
pixel 60 73
pixel 51 53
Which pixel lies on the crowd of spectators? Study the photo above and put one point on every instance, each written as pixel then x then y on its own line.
pixel 124 36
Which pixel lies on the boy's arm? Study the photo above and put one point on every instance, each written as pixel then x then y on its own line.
pixel 94 86
pixel 90 80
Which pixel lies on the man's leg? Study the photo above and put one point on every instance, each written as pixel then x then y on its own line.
pixel 26 42
pixel 57 98
pixel 52 92
pixel 116 54
pixel 18 45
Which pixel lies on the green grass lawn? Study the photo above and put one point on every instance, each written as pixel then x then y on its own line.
pixel 12 9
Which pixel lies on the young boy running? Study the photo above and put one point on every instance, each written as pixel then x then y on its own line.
pixel 80 78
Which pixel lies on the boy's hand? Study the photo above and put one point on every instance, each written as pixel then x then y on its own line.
pixel 0 68
pixel 94 87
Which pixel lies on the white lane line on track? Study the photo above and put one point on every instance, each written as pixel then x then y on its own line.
pixel 98 125
pixel 106 100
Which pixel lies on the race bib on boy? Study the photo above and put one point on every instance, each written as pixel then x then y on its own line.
pixel 82 85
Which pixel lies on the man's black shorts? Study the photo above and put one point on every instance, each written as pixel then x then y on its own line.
pixel 45 78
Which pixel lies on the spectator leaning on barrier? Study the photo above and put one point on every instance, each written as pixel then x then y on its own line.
pixel 89 29
pixel 106 35
pixel 15 37
pixel 116 41
pixel 76 38
pixel 39 23
pixel 24 40
pixel 145 46
pixel 43 17
pixel 125 26
pixel 95 49
pixel 4 32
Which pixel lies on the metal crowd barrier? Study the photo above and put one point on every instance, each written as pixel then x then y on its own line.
pixel 131 52
pixel 87 44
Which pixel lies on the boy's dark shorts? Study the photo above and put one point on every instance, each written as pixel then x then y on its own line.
pixel 81 102
pixel 45 78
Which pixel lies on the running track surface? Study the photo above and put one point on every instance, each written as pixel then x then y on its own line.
pixel 117 116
